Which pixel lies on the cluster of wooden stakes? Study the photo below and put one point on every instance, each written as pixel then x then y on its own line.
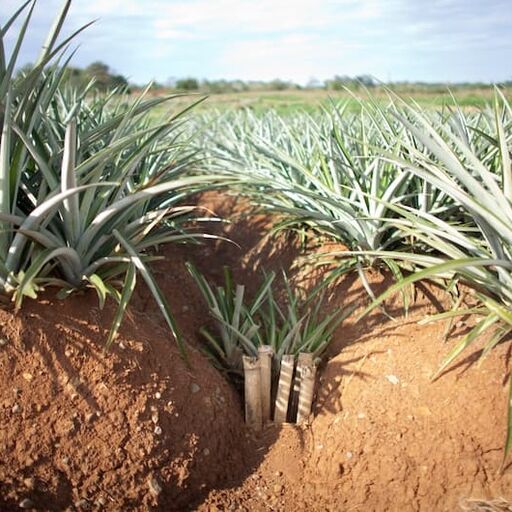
pixel 291 398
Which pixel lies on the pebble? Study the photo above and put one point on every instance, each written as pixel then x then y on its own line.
pixel 278 488
pixel 101 501
pixel 206 452
pixel 158 430
pixel 194 388
pixel 26 503
pixel 3 342
pixel 15 408
pixel 83 503
pixel 27 376
pixel 154 487
pixel 154 418
pixel 29 483
pixel 393 379
pixel 158 395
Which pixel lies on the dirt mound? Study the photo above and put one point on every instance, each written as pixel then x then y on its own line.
pixel 129 430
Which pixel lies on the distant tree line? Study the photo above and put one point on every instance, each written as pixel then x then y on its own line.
pixel 226 86
pixel 337 83
pixel 104 79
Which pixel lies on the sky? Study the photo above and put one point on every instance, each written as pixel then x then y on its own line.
pixel 298 40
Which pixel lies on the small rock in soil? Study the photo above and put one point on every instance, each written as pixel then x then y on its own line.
pixel 82 504
pixel 393 379
pixel 26 503
pixel 278 489
pixel 29 483
pixel 154 487
pixel 15 408
pixel 158 430
pixel 101 501
pixel 194 388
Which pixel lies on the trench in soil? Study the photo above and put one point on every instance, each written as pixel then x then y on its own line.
pixel 382 435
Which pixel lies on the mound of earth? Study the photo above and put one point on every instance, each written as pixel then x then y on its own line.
pixel 131 429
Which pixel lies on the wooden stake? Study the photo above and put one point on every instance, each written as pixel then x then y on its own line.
pixel 252 390
pixel 283 389
pixel 265 354
pixel 307 387
pixel 304 359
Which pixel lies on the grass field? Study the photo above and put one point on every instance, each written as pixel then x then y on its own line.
pixel 309 100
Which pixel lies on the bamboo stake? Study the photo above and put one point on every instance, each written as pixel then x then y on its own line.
pixel 265 354
pixel 283 389
pixel 307 387
pixel 304 359
pixel 252 392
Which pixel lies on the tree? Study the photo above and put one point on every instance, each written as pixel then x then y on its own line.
pixel 187 84
pixel 103 76
pixel 100 72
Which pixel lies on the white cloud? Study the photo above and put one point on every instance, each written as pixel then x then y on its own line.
pixel 294 57
pixel 283 38
pixel 207 17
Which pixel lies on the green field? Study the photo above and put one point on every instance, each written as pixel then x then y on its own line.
pixel 309 100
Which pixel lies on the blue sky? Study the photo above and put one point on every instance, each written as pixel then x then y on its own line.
pixel 424 40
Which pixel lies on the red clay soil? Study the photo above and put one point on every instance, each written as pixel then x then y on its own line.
pixel 78 427
pixel 383 436
pixel 134 429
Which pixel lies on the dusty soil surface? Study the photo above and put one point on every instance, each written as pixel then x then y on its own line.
pixel 135 429
pixel 383 436
pixel 79 428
